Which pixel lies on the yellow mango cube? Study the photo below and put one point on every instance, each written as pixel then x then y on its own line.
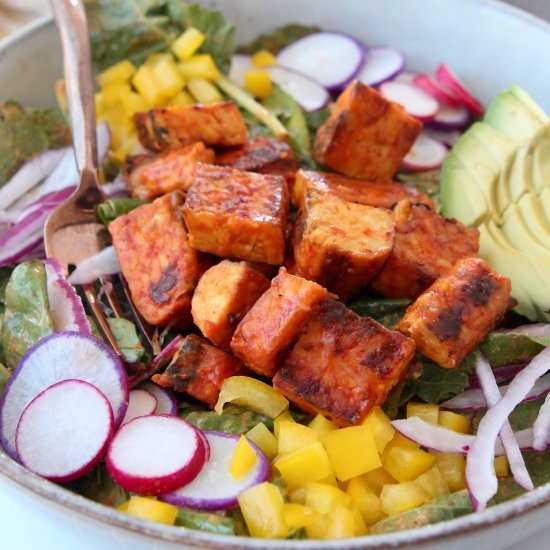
pixel 406 464
pixel 262 58
pixel 338 524
pixel 298 515
pixel 359 526
pixel 433 483
pixel 124 506
pixel 188 43
pixel 377 479
pixel 297 495
pixel 244 458
pixel 454 421
pixel 395 499
pixel 364 499
pixel 501 466
pixel 352 451
pixel 322 424
pixel 133 103
pixel 262 507
pixel 258 83
pixel 400 441
pixel 264 439
pixel 309 463
pixel 323 498
pixel 200 65
pixel 426 411
pixel 151 509
pixel 292 436
pixel 285 416
pixel 167 76
pixel 182 98
pixel 112 94
pixel 144 81
pixel 119 72
pixel 380 427
pixel 453 469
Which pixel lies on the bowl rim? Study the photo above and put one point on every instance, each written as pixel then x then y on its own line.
pixel 435 533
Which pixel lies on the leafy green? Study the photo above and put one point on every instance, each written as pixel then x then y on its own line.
pixel 388 312
pixel 99 486
pixel 110 209
pixel 214 522
pixel 278 39
pixel 126 336
pixel 4 377
pixel 508 348
pixel 435 511
pixel 27 315
pixel 426 182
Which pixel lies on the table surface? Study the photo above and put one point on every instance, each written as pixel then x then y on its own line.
pixel 20 529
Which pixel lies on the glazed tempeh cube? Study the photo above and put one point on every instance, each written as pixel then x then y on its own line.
pixel 339 244
pixel 274 322
pixel 157 260
pixel 199 369
pixel 382 194
pixel 343 365
pixel 426 247
pixel 262 155
pixel 223 296
pixel 457 312
pixel 219 124
pixel 366 136
pixel 237 214
pixel 150 176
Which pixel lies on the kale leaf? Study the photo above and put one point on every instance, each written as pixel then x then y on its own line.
pixel 279 38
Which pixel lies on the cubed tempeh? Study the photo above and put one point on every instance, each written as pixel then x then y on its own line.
pixel 161 267
pixel 223 296
pixel 215 124
pixel 426 247
pixel 150 176
pixel 366 136
pixel 237 214
pixel 457 312
pixel 339 244
pixel 199 369
pixel 343 365
pixel 274 322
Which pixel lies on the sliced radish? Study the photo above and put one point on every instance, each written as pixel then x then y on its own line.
pixel 155 454
pixel 166 400
pixel 57 357
pixel 105 262
pixel 306 91
pixel 332 59
pixel 405 76
pixel 215 488
pixel 425 154
pixel 240 63
pixel 450 118
pixel 439 91
pixel 64 431
pixel 449 79
pixel 415 101
pixel 383 63
pixel 66 307
pixel 447 137
pixel 140 403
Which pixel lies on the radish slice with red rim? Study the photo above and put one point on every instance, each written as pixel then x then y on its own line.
pixel 140 403
pixel 64 431
pixel 450 79
pixel 405 76
pixel 307 92
pixel 450 118
pixel 166 400
pixel 57 357
pixel 382 63
pixel 447 137
pixel 439 91
pixel 155 454
pixel 330 58
pixel 104 263
pixel 414 100
pixel 215 488
pixel 425 154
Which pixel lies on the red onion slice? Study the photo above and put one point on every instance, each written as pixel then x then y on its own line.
pixel 541 426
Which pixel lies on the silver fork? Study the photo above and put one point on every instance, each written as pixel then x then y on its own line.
pixel 72 233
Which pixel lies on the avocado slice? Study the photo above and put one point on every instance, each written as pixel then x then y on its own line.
pixel 541 163
pixel 519 178
pixel 516 231
pixel 545 202
pixel 533 214
pixel 529 103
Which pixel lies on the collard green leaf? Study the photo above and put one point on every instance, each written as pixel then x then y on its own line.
pixel 4 377
pixel 426 182
pixel 27 315
pixel 110 209
pixel 508 348
pixel 99 486
pixel 126 336
pixel 214 522
pixel 387 312
pixel 278 39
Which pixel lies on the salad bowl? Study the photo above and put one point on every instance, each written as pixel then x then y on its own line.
pixel 491 45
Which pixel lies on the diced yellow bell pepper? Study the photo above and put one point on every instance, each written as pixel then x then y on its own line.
pixel 124 506
pixel 363 498
pixel 188 43
pixel 380 427
pixel 144 82
pixel 154 510
pixel 322 425
pixel 453 469
pixel 285 416
pixel 352 451
pixel 323 498
pixel 251 393
pixel 182 98
pixel 133 103
pixel 264 439
pixel 426 411
pixel 200 65
pixel 309 463
pixel 167 76
pixel 203 90
pixel 454 421
pixel 156 57
pixel 400 441
pixel 406 464
pixel 119 72
pixel 299 515
pixel 329 480
pixel 378 478
pixel 262 58
pixel 433 483
pixel 292 436
pixel 338 524
pixel 112 94
pixel 359 526
pixel 404 496
pixel 258 83
pixel 262 507
pixel 501 466
pixel 297 495
pixel 244 458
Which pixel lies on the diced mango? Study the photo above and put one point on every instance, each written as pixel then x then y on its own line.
pixel 454 421
pixel 452 468
pixel 262 58
pixel 400 441
pixel 285 416
pixel 113 93
pixel 264 439
pixel 501 466
pixel 203 90
pixel 188 43
pixel 323 498
pixel 133 103
pixel 363 498
pixel 297 495
pixel 154 510
pixel 426 411
pixel 378 478
pixel 167 76
pixel 124 506
pixel 200 65
pixel 309 463
pixel 145 83
pixel 182 98
pixel 404 496
pixel 258 83
pixel 322 424
pixel 244 458
pixel 359 526
pixel 262 507
pixel 119 72
pixel 292 436
pixel 406 464
pixel 352 451
pixel 299 515
pixel 338 524
pixel 433 483
pixel 380 427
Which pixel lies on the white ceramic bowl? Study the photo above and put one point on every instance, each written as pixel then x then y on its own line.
pixel 490 45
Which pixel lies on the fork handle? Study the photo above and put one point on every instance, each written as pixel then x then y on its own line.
pixel 73 29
